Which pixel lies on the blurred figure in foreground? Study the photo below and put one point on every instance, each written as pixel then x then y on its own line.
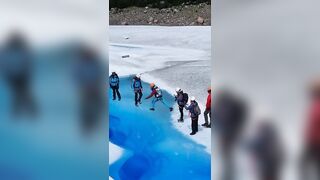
pixel 310 165
pixel 91 85
pixel 229 117
pixel 16 64
pixel 267 151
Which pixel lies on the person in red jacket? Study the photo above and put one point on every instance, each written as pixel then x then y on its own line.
pixel 208 110
pixel 311 154
pixel 157 94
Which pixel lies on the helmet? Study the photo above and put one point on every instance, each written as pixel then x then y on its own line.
pixel 192 98
pixel 178 89
pixel 138 75
pixel 152 85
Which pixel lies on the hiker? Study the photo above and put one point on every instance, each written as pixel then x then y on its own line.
pixel 194 112
pixel 229 112
pixel 137 87
pixel 267 151
pixel 208 110
pixel 182 100
pixel 114 82
pixel 89 77
pixel 17 67
pixel 310 162
pixel 157 93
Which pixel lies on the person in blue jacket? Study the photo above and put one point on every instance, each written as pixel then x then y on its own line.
pixel 137 87
pixel 194 111
pixel 17 67
pixel 157 93
pixel 114 82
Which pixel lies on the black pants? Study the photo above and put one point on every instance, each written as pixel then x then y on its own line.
pixel 22 95
pixel 115 92
pixel 194 124
pixel 92 108
pixel 181 112
pixel 310 158
pixel 206 112
pixel 137 96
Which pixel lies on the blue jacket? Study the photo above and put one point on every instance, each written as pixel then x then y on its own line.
pixel 137 84
pixel 114 81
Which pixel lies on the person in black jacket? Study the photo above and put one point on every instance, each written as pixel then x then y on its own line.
pixel 194 111
pixel 137 87
pixel 114 83
pixel 182 99
pixel 229 116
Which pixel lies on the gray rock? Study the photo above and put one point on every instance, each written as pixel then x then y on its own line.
pixel 200 20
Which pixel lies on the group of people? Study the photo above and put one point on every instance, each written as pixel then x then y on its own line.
pixel 180 97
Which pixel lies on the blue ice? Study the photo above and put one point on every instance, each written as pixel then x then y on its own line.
pixel 156 149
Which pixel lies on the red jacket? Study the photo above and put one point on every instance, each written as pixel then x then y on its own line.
pixel 313 126
pixel 208 105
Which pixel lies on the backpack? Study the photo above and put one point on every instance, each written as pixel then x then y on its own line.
pixel 185 97
pixel 197 110
pixel 159 92
pixel 137 84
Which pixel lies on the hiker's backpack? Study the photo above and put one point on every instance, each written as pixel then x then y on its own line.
pixel 159 92
pixel 185 98
pixel 137 84
pixel 197 110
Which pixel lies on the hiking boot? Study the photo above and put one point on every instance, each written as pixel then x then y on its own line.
pixel 119 99
pixel 152 109
pixel 192 133
pixel 205 124
pixel 113 98
pixel 171 109
pixel 180 120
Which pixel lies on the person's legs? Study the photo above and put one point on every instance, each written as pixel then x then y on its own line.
pixel 153 103
pixel 210 118
pixel 113 93
pixel 118 93
pixel 205 114
pixel 136 97
pixel 181 113
pixel 164 103
pixel 193 126
pixel 196 123
pixel 140 96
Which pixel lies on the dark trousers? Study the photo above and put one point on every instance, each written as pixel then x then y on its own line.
pixel 194 124
pixel 22 95
pixel 311 157
pixel 137 96
pixel 115 92
pixel 206 113
pixel 181 112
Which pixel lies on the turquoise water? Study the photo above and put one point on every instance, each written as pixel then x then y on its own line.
pixel 157 149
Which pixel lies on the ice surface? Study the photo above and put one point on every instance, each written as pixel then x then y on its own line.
pixel 158 150
pixel 169 56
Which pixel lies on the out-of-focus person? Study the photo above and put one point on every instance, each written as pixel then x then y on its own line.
pixel 89 71
pixel 229 116
pixel 16 61
pixel 266 149
pixel 310 163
